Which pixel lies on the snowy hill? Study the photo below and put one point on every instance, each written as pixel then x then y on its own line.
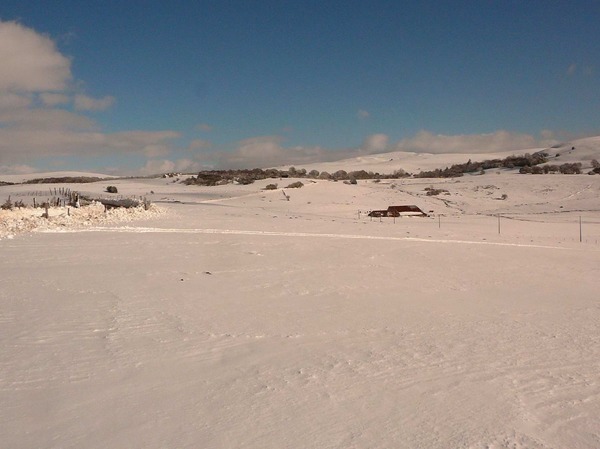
pixel 585 150
pixel 580 150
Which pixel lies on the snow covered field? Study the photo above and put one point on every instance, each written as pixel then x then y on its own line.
pixel 239 319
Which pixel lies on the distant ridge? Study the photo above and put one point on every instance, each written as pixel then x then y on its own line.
pixel 56 174
pixel 584 151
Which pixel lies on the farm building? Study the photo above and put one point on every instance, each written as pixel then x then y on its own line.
pixel 398 211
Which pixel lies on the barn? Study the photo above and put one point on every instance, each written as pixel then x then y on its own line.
pixel 399 211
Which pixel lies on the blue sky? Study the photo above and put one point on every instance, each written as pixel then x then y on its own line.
pixel 139 87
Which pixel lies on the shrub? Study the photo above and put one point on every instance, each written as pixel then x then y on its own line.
pixel 271 187
pixel 340 175
pixel 434 192
pixel 244 180
pixel 8 205
pixel 360 174
pixel 570 169
pixel 537 170
pixel 400 173
pixel 295 185
pixel 112 189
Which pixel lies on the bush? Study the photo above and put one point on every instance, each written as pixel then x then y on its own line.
pixel 570 169
pixel 8 205
pixel 295 185
pixel 112 189
pixel 271 187
pixel 244 180
pixel 434 192
pixel 340 175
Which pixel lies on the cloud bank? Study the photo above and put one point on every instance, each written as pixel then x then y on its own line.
pixel 270 151
pixel 498 141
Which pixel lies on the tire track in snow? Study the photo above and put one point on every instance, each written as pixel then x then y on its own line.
pixel 145 230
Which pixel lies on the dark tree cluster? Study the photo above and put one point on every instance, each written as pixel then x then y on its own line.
pixel 565 169
pixel 64 180
pixel 245 176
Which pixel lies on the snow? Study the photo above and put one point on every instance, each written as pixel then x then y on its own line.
pixel 28 219
pixel 229 317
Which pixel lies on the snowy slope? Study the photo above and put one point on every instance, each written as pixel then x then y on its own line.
pixel 581 150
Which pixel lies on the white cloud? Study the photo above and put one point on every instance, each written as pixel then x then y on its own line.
pixel 199 144
pixel 426 142
pixel 16 169
pixel 157 166
pixel 156 150
pixel 30 61
pixel 375 143
pixel 263 151
pixel 53 99
pixel 10 101
pixel 85 103
pixel 148 143
pixel 19 145
pixel 36 119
